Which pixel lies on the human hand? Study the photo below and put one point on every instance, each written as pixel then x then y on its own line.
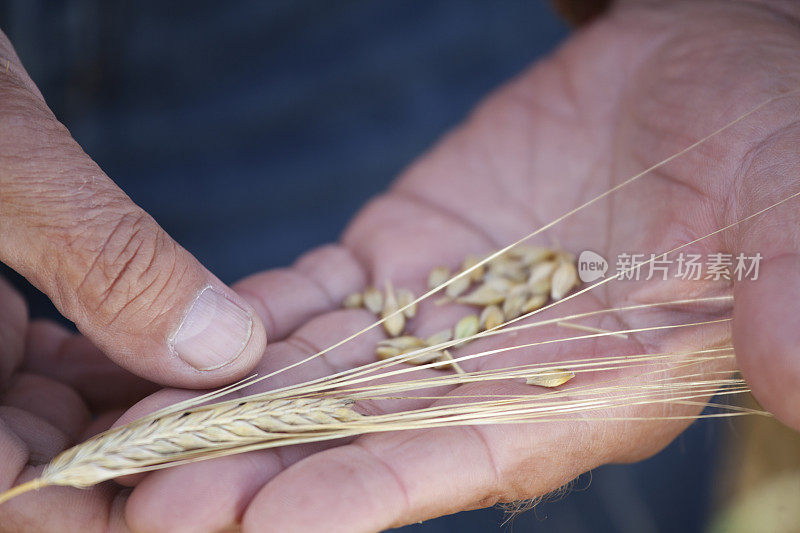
pixel 112 270
pixel 626 93
pixel 106 264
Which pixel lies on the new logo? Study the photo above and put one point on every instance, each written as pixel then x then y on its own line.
pixel 591 266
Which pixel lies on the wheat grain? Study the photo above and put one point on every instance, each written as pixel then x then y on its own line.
pixel 491 317
pixel 393 321
pixel 425 357
pixel 478 270
pixel 457 287
pixel 373 300
pixel 404 342
pixel 530 255
pixel 353 301
pixel 467 327
pixel 438 277
pixel 405 299
pixel 553 378
pixel 386 352
pixel 512 306
pixel 485 294
pixel 564 279
pixel 504 267
pixel 536 301
pixel 541 272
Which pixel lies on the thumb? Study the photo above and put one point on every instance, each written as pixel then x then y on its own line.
pixel 766 322
pixel 106 264
pixel 767 335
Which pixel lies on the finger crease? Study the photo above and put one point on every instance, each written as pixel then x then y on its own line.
pixel 393 474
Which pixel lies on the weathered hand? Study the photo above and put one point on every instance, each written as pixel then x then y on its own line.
pixel 104 262
pixel 57 389
pixel 622 95
pixel 112 270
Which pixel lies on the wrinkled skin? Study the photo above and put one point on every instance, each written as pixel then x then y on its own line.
pixel 619 96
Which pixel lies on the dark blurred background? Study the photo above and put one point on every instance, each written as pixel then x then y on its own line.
pixel 252 131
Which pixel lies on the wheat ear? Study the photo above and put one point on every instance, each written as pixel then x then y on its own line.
pixel 180 436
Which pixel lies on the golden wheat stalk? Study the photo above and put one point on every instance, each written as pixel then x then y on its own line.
pixel 237 426
pixel 173 437
pixel 179 436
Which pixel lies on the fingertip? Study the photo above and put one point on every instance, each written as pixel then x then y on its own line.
pixel 214 339
pixel 221 338
pixel 219 329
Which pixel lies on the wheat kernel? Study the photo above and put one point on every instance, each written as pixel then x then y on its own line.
pixel 438 276
pixel 550 378
pixel 508 269
pixel 534 302
pixel 564 279
pixel 403 343
pixel 394 321
pixel 542 286
pixel 404 298
pixel 425 357
pixel 385 352
pixel 457 287
pixel 373 300
pixel 484 295
pixel 477 274
pixel 467 327
pixel 530 255
pixel 353 301
pixel 542 271
pixel 491 317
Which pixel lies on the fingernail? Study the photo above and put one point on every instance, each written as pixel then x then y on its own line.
pixel 214 331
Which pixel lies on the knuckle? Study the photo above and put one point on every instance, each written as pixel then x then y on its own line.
pixel 26 121
pixel 45 175
pixel 130 271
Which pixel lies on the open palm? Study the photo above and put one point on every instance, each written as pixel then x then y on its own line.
pixel 624 94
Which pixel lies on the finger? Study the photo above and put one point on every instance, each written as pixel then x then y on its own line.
pixel 107 265
pixel 54 352
pixel 59 508
pixel 67 509
pixel 767 336
pixel 13 323
pixel 191 498
pixel 43 440
pixel 50 400
pixel 766 326
pixel 13 456
pixel 316 283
